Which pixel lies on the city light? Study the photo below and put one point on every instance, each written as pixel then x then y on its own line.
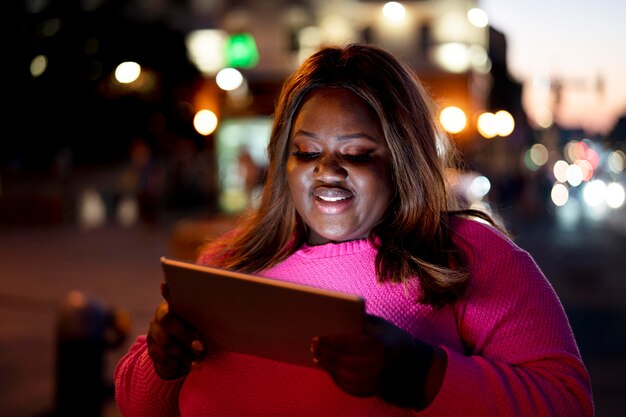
pixel 453 119
pixel 616 161
pixel 205 122
pixel 205 48
pixel 478 17
pixel 229 79
pixel 38 65
pixel 559 194
pixel 560 170
pixel 615 195
pixel 539 154
pixel 127 72
pixel 594 193
pixel 394 11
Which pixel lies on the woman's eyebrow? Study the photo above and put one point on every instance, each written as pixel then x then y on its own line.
pixel 348 136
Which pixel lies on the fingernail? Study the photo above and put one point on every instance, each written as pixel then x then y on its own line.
pixel 196 365
pixel 197 345
pixel 315 360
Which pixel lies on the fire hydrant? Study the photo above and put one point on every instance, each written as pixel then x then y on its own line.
pixel 86 329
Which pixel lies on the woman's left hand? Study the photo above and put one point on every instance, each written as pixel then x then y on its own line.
pixel 361 365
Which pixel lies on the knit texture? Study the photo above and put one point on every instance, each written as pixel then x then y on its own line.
pixel 510 349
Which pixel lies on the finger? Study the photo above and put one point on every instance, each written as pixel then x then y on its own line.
pixel 165 291
pixel 166 365
pixel 361 344
pixel 179 329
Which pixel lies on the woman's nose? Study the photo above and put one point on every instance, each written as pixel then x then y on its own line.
pixel 329 169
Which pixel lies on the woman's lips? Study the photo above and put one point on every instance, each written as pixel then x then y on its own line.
pixel 332 200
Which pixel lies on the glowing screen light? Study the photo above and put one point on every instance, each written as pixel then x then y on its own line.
pixel 453 119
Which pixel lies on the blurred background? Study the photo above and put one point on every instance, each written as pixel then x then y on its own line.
pixel 136 129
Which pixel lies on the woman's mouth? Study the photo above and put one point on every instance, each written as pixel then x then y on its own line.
pixel 332 200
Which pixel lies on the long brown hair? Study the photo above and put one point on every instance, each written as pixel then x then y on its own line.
pixel 414 237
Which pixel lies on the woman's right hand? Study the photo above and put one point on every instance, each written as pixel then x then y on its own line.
pixel 173 344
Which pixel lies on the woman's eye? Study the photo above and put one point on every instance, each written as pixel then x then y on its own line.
pixel 305 155
pixel 363 157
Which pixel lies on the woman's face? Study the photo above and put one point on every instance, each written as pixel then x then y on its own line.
pixel 338 169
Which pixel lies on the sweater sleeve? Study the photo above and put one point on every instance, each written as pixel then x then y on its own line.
pixel 520 356
pixel 138 389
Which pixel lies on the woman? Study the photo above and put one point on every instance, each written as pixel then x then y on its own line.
pixel 461 320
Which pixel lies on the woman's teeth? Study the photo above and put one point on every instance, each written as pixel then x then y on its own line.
pixel 332 199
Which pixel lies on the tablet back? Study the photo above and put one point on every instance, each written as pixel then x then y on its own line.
pixel 259 316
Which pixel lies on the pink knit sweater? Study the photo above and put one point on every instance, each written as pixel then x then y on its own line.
pixel 510 349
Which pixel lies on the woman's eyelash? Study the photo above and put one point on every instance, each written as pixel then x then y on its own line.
pixel 306 155
pixel 363 157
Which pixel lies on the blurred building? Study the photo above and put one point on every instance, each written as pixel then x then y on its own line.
pixel 71 111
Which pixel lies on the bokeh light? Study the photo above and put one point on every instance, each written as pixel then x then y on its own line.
pixel 394 11
pixel 478 17
pixel 229 79
pixel 574 175
pixel 539 154
pixel 616 161
pixel 594 193
pixel 615 195
pixel 559 194
pixel 127 72
pixel 560 170
pixel 453 119
pixel 205 122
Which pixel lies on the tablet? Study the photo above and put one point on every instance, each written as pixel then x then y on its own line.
pixel 259 316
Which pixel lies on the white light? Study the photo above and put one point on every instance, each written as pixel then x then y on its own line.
pixel 615 195
pixel 478 17
pixel 91 210
pixel 127 72
pixel 205 122
pixel 574 175
pixel 560 170
pixel 594 193
pixel 394 11
pixel 616 161
pixel 453 57
pixel 229 79
pixel 479 187
pixel 559 194
pixel 205 48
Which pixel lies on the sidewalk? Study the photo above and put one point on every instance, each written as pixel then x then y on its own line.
pixel 120 266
